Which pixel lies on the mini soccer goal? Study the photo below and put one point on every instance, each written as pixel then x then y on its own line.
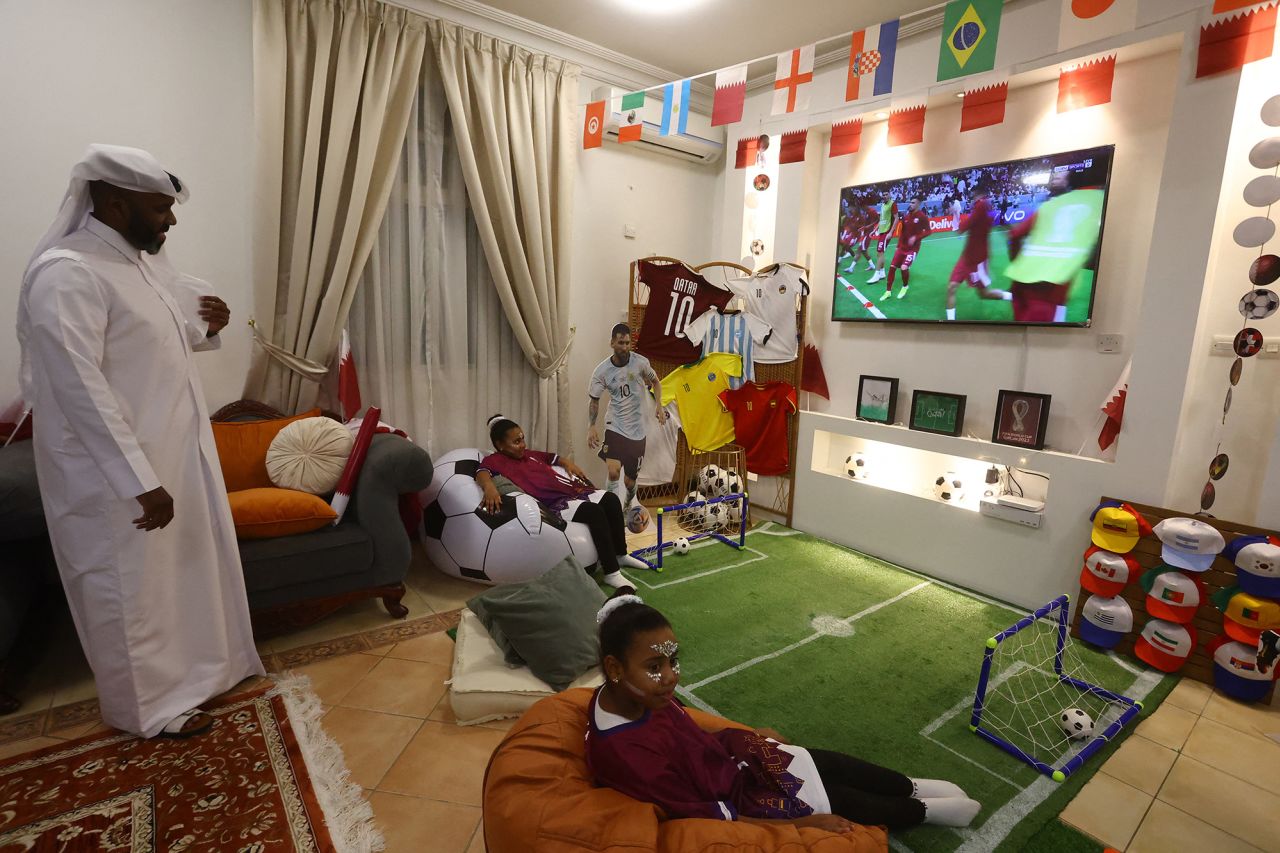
pixel 723 518
pixel 1037 701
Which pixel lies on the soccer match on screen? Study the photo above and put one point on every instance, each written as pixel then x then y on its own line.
pixel 1014 242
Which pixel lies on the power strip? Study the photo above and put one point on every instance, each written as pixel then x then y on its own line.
pixel 1026 518
pixel 1028 504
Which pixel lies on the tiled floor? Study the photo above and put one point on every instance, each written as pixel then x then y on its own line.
pixel 1201 774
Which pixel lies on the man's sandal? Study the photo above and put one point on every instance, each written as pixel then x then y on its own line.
pixel 177 729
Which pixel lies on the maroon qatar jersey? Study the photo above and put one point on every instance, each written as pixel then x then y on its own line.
pixel 760 424
pixel 976 250
pixel 915 227
pixel 677 297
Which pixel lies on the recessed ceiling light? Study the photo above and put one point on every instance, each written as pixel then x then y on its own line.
pixel 660 7
pixel 882 115
pixel 959 94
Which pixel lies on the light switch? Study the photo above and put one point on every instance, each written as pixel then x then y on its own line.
pixel 1110 343
pixel 629 231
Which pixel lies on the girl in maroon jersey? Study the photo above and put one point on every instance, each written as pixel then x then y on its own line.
pixel 641 742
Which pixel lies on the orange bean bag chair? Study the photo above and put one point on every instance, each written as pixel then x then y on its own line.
pixel 539 798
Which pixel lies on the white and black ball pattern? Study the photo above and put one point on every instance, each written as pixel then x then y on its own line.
pixel 692 518
pixel 856 466
pixel 681 546
pixel 1075 724
pixel 948 488
pixel 717 516
pixel 711 480
pixel 732 482
pixel 1259 304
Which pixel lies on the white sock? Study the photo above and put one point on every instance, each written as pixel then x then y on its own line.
pixel 1006 295
pixel 951 313
pixel 950 811
pixel 930 788
pixel 616 580
pixel 631 562
pixel 1060 314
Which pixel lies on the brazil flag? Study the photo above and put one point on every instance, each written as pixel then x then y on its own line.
pixel 970 29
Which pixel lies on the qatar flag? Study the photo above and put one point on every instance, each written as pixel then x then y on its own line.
pixel 1113 408
pixel 348 382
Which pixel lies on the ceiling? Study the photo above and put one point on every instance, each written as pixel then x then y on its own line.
pixel 695 36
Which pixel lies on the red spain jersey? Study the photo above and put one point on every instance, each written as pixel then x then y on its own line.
pixel 915 226
pixel 760 423
pixel 677 297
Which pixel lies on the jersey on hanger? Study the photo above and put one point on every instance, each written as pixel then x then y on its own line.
pixel 760 424
pixel 696 389
pixel 771 296
pixel 677 295
pixel 732 333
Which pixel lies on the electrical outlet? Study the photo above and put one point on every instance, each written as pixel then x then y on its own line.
pixel 1110 343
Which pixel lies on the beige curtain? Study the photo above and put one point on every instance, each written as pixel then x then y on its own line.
pixel 334 84
pixel 512 114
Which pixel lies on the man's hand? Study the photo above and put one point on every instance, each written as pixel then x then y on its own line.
pixel 593 437
pixel 662 416
pixel 157 510
pixel 214 312
pixel 829 822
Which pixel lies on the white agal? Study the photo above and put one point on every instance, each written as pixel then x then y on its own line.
pixel 1076 724
pixel 519 542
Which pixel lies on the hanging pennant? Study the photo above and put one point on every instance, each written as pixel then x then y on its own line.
pixel 1087 85
pixel 872 53
pixel 795 70
pixel 1085 21
pixel 846 137
pixel 731 92
pixel 1232 42
pixel 747 150
pixel 984 107
pixel 793 144
pixel 906 127
pixel 970 30
pixel 632 124
pixel 593 125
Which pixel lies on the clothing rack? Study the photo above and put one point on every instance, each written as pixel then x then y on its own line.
pixel 770 495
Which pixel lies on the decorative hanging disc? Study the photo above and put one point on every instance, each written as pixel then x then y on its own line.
pixel 1262 191
pixel 1226 405
pixel 1259 304
pixel 761 182
pixel 1207 495
pixel 1248 342
pixel 1237 367
pixel 1253 232
pixel 1264 270
pixel 1266 154
pixel 757 247
pixel 1218 467
pixel 762 142
pixel 1271 111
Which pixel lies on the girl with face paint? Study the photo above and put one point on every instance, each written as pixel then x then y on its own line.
pixel 641 742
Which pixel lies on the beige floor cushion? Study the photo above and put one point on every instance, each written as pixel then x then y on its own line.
pixel 484 688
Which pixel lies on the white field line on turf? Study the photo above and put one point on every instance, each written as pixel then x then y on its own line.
pixel 638 575
pixel 688 697
pixel 1123 664
pixel 988 836
pixel 733 670
pixel 862 300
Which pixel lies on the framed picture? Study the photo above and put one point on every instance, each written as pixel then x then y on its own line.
pixel 1021 418
pixel 936 411
pixel 877 399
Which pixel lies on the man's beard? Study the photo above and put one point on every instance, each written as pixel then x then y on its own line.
pixel 141 235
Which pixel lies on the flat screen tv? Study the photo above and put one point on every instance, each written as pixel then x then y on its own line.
pixel 1012 243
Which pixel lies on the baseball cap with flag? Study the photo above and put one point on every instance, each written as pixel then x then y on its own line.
pixel 1104 621
pixel 1246 616
pixel 1188 543
pixel 1165 645
pixel 1235 670
pixel 1117 526
pixel 1257 560
pixel 1106 572
pixel 1171 594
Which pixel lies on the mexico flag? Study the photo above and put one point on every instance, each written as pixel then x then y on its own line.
pixel 630 125
pixel 871 56
pixel 1085 21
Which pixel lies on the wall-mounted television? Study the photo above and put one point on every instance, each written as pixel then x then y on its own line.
pixel 1013 243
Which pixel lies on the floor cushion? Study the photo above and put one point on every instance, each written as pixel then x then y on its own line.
pixel 484 688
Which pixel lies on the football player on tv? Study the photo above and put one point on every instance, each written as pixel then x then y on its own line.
pixel 888 218
pixel 915 227
pixel 976 254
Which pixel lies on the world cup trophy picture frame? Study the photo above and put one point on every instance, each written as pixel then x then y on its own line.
pixel 1021 419
pixel 877 399
pixel 937 412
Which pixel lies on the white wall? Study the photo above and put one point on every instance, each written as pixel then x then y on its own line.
pixel 171 76
pixel 671 202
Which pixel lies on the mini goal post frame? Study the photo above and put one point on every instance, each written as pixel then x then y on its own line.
pixel 1057 610
pixel 653 554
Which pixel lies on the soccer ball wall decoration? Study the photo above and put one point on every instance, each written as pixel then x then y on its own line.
pixel 856 466
pixel 1259 304
pixel 1075 724
pixel 948 488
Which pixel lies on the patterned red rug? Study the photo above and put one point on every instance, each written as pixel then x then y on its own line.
pixel 264 778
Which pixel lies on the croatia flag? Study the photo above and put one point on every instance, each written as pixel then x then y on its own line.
pixel 675 108
pixel 871 56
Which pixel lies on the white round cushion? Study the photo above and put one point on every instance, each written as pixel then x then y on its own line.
pixel 309 455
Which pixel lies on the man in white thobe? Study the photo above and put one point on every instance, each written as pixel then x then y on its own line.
pixel 108 328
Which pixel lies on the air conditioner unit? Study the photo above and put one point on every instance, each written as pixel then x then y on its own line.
pixel 700 143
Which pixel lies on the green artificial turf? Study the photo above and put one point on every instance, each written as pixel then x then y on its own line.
pixel 869 686
pixel 926 298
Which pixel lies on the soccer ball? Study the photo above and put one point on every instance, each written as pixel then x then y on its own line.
pixel 856 466
pixel 637 519
pixel 734 522
pixel 711 480
pixel 732 482
pixel 1075 724
pixel 517 543
pixel 948 488
pixel 1259 304
pixel 757 247
pixel 680 546
pixel 692 518
pixel 717 516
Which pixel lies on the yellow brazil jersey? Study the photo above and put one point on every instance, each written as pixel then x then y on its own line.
pixel 696 389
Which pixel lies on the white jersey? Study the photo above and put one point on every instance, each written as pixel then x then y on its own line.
pixel 771 297
pixel 626 387
pixel 660 450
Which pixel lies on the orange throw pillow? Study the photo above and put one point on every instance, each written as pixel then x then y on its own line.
pixel 266 513
pixel 242 450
